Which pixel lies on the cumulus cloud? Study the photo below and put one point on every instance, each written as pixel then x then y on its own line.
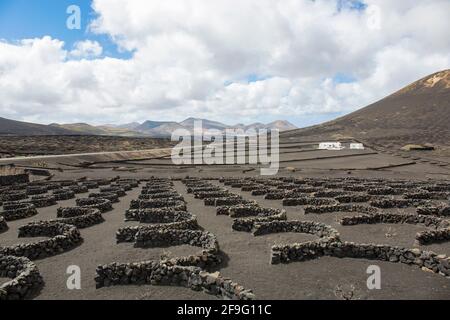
pixel 86 49
pixel 195 58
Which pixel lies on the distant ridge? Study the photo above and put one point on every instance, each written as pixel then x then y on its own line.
pixel 13 127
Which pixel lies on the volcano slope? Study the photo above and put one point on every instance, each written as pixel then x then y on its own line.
pixel 417 114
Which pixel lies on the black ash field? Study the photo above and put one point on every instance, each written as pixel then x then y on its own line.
pixel 180 232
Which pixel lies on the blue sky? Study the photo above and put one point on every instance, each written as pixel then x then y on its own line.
pixel 305 61
pixel 26 19
pixel 23 19
pixel 351 4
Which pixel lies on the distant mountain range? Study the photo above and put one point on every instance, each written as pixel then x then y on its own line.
pixel 158 129
pixel 154 129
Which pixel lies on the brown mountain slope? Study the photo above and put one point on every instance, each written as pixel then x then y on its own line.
pixel 419 113
pixel 19 128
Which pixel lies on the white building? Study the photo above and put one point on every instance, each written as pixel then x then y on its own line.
pixel 330 146
pixel 357 146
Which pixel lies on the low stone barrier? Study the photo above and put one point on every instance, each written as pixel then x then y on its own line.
pixel 354 188
pixel 247 224
pixel 125 186
pixel 80 217
pixel 331 185
pixel 113 197
pixel 170 196
pixel 35 190
pixel 289 202
pixel 16 187
pixel 232 202
pixel 157 190
pixel 395 203
pixel 101 182
pixel 88 217
pixel 227 210
pixel 128 234
pixel 237 185
pixel 339 208
pixel 260 192
pixel 230 182
pixel 433 236
pixel 102 204
pixel 212 201
pixel 158 215
pixel 26 279
pixel 325 232
pixel 313 250
pixel 66 183
pixel 208 257
pixel 252 211
pixel 382 217
pixel 251 187
pixel 276 195
pixel 16 211
pixel 437 188
pixel 317 183
pixel 307 190
pixel 206 188
pixel 90 184
pixel 10 179
pixel 13 196
pixel 441 234
pixel 330 194
pixel 79 189
pixel 158 273
pixel 53 186
pixel 440 210
pixel 357 198
pixel 212 194
pixel 63 237
pixel 181 221
pixel 159 185
pixel 385 191
pixel 133 183
pixel 43 201
pixel 63 194
pixel 71 212
pixel 3 225
pixel 405 185
pixel 427 195
pixel 119 191
pixel 152 204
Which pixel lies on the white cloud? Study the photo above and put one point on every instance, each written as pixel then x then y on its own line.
pixel 188 52
pixel 86 49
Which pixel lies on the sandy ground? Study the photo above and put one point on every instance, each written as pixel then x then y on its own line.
pixel 317 279
pixel 247 259
pixel 99 247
